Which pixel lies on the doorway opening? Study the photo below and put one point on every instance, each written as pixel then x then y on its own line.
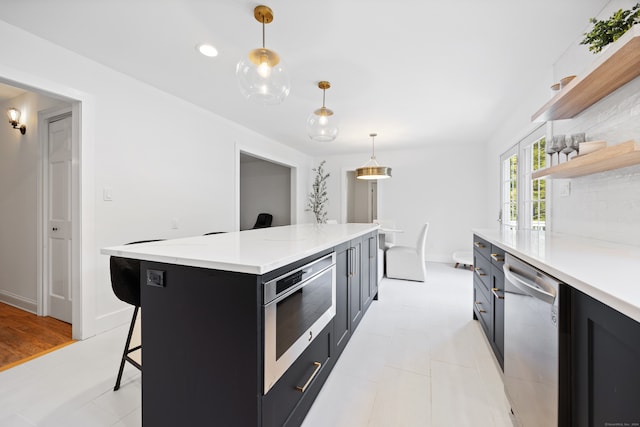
pixel 40 103
pixel 264 187
pixel 362 199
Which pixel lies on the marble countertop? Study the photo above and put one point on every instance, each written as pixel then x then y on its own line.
pixel 606 271
pixel 251 251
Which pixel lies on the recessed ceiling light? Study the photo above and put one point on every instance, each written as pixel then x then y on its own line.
pixel 207 50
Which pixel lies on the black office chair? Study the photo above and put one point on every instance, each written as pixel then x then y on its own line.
pixel 125 282
pixel 264 220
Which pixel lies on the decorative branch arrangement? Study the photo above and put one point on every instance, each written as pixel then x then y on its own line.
pixel 318 196
pixel 610 30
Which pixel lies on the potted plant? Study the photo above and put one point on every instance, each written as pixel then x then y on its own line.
pixel 610 30
pixel 318 196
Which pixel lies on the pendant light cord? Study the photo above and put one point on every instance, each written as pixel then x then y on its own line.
pixel 323 92
pixel 263 31
pixel 373 147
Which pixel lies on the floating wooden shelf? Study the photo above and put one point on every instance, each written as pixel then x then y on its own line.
pixel 615 67
pixel 610 158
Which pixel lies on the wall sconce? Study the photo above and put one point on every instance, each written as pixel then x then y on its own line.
pixel 14 118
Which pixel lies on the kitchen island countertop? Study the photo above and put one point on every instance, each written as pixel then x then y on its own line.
pixel 608 272
pixel 251 251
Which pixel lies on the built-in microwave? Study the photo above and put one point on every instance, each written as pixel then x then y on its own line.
pixel 297 306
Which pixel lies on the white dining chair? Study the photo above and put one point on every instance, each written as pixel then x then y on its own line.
pixel 407 263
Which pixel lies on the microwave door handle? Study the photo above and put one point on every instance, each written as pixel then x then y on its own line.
pixel 527 286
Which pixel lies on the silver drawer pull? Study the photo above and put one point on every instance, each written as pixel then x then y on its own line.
pixel 302 389
pixel 497 257
pixel 478 245
pixel 480 272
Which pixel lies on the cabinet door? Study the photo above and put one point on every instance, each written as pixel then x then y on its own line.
pixel 367 275
pixel 497 293
pixel 605 347
pixel 342 321
pixel 355 282
pixel 373 265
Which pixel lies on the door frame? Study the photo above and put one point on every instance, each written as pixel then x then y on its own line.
pixel 344 182
pixel 263 155
pixel 83 208
pixel 45 117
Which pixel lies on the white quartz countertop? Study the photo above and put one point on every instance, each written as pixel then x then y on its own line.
pixel 251 251
pixel 608 272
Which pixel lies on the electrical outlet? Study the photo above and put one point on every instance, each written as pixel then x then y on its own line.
pixel 564 188
pixel 155 278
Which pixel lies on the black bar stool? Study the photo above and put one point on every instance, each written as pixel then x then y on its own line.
pixel 125 282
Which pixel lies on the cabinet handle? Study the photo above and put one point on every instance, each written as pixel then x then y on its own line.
pixel 494 290
pixel 497 257
pixel 478 245
pixel 302 389
pixel 480 272
pixel 477 303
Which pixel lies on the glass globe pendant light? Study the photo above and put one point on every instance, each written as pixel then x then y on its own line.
pixel 321 124
pixel 372 170
pixel 261 75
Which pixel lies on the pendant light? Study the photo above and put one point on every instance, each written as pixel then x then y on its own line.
pixel 372 170
pixel 321 124
pixel 261 75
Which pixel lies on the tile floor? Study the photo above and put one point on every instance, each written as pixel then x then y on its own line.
pixel 417 359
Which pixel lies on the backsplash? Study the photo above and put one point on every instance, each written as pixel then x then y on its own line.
pixel 603 206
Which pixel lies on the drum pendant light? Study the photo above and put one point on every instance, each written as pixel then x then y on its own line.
pixel 261 75
pixel 372 170
pixel 321 124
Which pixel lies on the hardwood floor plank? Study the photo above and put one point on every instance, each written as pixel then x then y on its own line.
pixel 24 335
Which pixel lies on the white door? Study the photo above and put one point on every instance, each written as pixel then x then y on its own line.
pixel 58 286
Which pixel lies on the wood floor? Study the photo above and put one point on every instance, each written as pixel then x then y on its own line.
pixel 24 335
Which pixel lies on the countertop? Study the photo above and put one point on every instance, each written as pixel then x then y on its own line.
pixel 251 251
pixel 608 272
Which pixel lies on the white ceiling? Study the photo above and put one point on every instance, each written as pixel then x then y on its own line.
pixel 417 72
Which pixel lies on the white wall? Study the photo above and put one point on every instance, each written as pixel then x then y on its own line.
pixel 605 206
pixel 19 174
pixel 264 187
pixel 444 186
pixel 135 143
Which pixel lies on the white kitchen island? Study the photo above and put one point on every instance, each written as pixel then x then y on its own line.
pixel 208 324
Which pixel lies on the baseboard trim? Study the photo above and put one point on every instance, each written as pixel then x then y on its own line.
pixel 114 319
pixel 18 301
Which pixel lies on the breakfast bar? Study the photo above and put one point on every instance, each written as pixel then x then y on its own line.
pixel 243 328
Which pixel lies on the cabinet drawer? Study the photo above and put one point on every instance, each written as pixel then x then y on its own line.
pixel 482 308
pixel 482 246
pixel 497 256
pixel 482 270
pixel 281 402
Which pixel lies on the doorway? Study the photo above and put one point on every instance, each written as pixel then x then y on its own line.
pixel 362 199
pixel 39 103
pixel 265 187
pixel 58 179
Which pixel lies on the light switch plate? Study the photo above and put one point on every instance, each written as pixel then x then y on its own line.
pixel 565 188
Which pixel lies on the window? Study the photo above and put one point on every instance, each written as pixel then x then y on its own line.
pixel 537 195
pixel 509 210
pixel 524 200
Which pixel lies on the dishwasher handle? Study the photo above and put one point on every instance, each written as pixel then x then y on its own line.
pixel 528 286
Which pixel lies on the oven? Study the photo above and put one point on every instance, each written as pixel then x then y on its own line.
pixel 297 306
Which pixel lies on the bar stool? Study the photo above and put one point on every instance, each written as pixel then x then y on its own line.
pixel 125 282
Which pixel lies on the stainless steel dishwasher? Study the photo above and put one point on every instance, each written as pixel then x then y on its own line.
pixel 531 343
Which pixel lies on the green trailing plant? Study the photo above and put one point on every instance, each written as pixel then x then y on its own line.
pixel 610 30
pixel 318 196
